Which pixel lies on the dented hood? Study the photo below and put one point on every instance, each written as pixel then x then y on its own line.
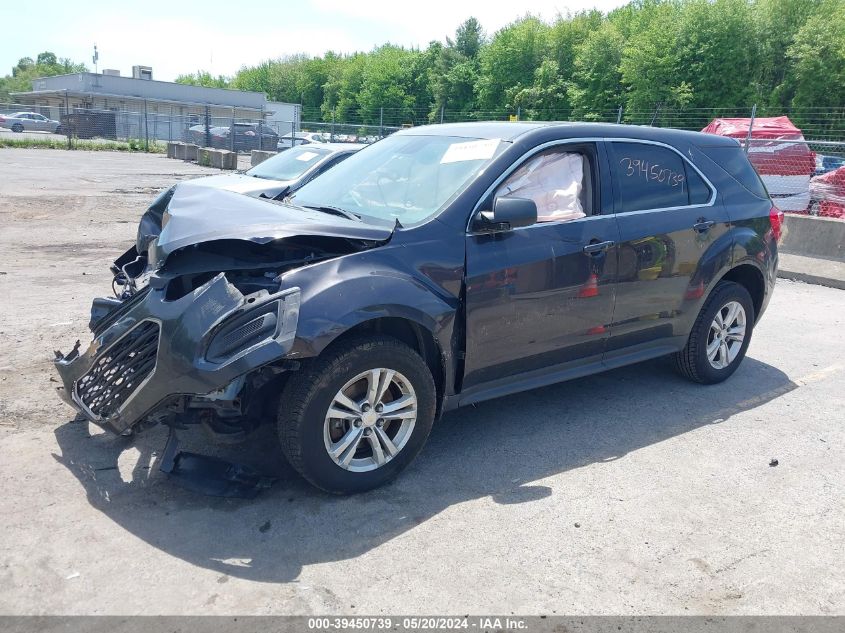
pixel 197 214
pixel 243 184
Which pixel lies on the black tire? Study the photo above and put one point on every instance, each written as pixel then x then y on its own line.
pixel 17 127
pixel 309 393
pixel 692 362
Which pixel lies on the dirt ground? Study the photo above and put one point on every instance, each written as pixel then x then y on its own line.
pixel 632 492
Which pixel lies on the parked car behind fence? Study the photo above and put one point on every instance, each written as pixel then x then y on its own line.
pixel 29 122
pixel 247 137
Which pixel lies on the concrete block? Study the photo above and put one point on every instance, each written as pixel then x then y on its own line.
pixel 186 151
pixel 812 236
pixel 259 156
pixel 219 158
pixel 171 150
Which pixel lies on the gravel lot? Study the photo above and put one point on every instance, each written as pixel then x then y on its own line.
pixel 632 492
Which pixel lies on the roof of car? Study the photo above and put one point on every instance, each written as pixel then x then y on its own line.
pixel 341 147
pixel 511 131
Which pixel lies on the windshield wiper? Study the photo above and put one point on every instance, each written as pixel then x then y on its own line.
pixel 334 211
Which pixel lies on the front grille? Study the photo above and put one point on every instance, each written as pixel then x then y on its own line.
pixel 119 371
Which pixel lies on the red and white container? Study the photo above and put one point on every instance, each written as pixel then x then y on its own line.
pixel 779 154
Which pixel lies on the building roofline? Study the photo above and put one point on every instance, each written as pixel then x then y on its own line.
pixel 157 81
pixel 83 93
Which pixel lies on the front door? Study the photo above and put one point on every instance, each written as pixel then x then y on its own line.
pixel 542 295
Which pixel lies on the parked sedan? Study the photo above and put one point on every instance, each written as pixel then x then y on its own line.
pixel 248 136
pixel 301 138
pixel 30 122
pixel 284 173
pixel 276 178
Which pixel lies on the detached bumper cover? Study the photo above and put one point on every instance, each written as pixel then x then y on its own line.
pixel 153 349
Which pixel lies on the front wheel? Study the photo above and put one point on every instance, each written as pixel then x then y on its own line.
pixel 720 336
pixel 358 415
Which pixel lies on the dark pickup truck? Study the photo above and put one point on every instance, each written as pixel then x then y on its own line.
pixel 439 267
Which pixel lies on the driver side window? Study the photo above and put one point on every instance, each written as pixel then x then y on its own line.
pixel 557 180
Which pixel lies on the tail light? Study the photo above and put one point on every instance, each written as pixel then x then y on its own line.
pixel 776 220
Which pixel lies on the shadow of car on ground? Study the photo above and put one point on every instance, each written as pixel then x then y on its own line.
pixel 494 449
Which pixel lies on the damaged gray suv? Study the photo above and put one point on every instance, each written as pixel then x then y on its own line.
pixel 439 267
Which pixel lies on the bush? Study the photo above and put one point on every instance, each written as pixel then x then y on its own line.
pixel 132 145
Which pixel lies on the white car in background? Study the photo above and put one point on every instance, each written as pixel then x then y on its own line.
pixel 29 122
pixel 301 138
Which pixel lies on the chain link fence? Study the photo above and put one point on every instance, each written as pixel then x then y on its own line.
pixel 804 171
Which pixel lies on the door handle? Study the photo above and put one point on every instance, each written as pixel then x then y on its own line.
pixel 596 248
pixel 703 225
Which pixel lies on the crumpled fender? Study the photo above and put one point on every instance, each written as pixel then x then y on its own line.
pixel 367 287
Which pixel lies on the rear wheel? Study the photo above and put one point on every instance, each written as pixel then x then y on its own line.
pixel 358 415
pixel 17 127
pixel 720 336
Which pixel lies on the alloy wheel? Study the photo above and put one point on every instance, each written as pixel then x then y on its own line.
pixel 370 420
pixel 726 335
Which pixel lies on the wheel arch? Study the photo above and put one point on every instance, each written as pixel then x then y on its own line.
pixel 752 279
pixel 410 332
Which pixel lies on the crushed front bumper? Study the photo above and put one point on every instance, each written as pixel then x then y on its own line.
pixel 149 350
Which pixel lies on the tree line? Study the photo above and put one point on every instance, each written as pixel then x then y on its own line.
pixel 46 64
pixel 683 54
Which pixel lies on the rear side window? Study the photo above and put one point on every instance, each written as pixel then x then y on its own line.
pixel 699 192
pixel 649 177
pixel 734 161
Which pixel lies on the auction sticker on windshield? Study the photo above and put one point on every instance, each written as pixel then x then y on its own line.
pixel 470 150
pixel 306 156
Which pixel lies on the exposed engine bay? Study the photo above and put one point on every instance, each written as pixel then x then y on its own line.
pixel 202 321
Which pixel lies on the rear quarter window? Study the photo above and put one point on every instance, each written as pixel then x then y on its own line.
pixel 734 161
pixel 654 177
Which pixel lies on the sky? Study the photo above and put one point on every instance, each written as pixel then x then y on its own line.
pixel 183 36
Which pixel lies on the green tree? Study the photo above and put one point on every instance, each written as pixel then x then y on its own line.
pixel 541 100
pixel 818 60
pixel 776 23
pixel 454 71
pixel 469 38
pixel 203 78
pixel 715 53
pixel 508 63
pixel 649 61
pixel 46 64
pixel 596 87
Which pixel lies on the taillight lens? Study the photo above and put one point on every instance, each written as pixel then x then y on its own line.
pixel 776 220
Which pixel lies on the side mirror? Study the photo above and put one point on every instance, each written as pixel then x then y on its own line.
pixel 507 214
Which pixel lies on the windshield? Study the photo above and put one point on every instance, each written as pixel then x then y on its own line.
pixel 409 178
pixel 290 164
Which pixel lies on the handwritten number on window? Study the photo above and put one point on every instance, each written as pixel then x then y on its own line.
pixel 639 168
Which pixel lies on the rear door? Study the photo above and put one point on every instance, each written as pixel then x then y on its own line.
pixel 672 232
pixel 542 296
pixel 41 123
